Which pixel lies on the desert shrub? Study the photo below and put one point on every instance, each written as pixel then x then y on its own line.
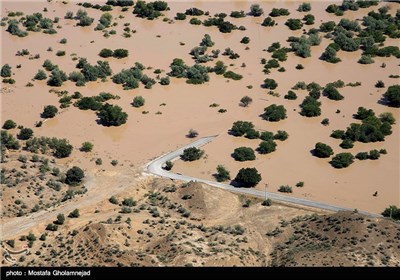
pixel 245 40
pixel 322 150
pixel 192 133
pixel 138 101
pixel 232 75
pixel 180 16
pixel 248 177
pixel 274 113
pixel 40 75
pixel 362 156
pixel 270 84
pixel 25 133
pixel 294 24
pixel 268 21
pixel 120 53
pixel 86 147
pixel 238 14
pixel 106 53
pixel 347 144
pixel 168 165
pixel 252 134
pixel 222 174
pixel 366 59
pixel 256 10
pixel 8 141
pixel 243 154
pixel 276 12
pixel 342 160
pixel 281 135
pixel 192 154
pixel 112 115
pixel 74 176
pixel 9 124
pixel 74 214
pixel 266 147
pixel 291 95
pixel 392 96
pixel 285 189
pixel 332 93
pixel 246 101
pixel 52 227
pixel 374 154
pixel 304 7
pixel 49 111
pixel 240 128
pixel 310 107
pixel 392 212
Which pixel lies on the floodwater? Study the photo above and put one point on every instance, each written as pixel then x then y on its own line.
pixel 146 136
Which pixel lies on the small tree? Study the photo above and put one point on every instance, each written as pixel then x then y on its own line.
pixel 248 177
pixel 9 124
pixel 245 40
pixel 256 10
pixel 392 96
pixel 285 189
pixel 40 75
pixel 120 53
pixel 6 71
pixel 112 115
pixel 106 53
pixel 266 147
pixel 239 128
pixel 222 174
pixel 392 212
pixel 113 200
pixel 192 154
pixel 52 227
pixel 25 133
pixel 281 135
pixel 168 165
pixel 270 84
pixel 74 176
pixel 138 101
pixel 49 111
pixel 322 150
pixel 243 154
pixel 342 160
pixel 74 214
pixel 192 133
pixel 60 219
pixel 274 113
pixel 87 147
pixel 246 101
pixel 310 107
pixel 267 202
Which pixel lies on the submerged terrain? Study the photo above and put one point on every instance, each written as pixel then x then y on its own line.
pixel 303 99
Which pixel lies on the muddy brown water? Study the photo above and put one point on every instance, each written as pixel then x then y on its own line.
pixel 146 136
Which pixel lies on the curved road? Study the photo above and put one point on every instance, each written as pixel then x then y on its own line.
pixel 155 167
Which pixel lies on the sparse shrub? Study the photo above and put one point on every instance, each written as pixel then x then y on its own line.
pixel 285 189
pixel 87 147
pixel 138 101
pixel 222 174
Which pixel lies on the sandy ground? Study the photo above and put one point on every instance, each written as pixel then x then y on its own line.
pixel 147 136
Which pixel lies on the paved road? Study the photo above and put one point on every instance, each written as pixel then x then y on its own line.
pixel 155 167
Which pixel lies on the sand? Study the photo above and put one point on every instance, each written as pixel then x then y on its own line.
pixel 187 106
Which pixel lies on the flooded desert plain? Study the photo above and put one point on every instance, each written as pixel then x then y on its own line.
pixel 161 125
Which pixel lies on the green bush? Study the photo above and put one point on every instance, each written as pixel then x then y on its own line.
pixel 243 154
pixel 25 133
pixel 270 84
pixel 362 156
pixel 291 95
pixel 285 189
pixel 120 53
pixel 40 75
pixel 281 135
pixel 87 147
pixel 248 177
pixel 342 160
pixel 240 128
pixel 256 10
pixel 89 103
pixel 168 165
pixel 294 24
pixel 392 96
pixel 332 93
pixel 374 154
pixel 74 176
pixel 112 115
pixel 74 214
pixel 274 113
pixel 232 75
pixel 266 147
pixel 393 212
pixel 222 174
pixel 49 111
pixel 106 53
pixel 6 71
pixel 138 101
pixel 322 150
pixel 310 107
pixel 268 21
pixel 192 154
pixel 9 124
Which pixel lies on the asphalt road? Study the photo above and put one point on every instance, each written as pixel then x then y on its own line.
pixel 155 167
